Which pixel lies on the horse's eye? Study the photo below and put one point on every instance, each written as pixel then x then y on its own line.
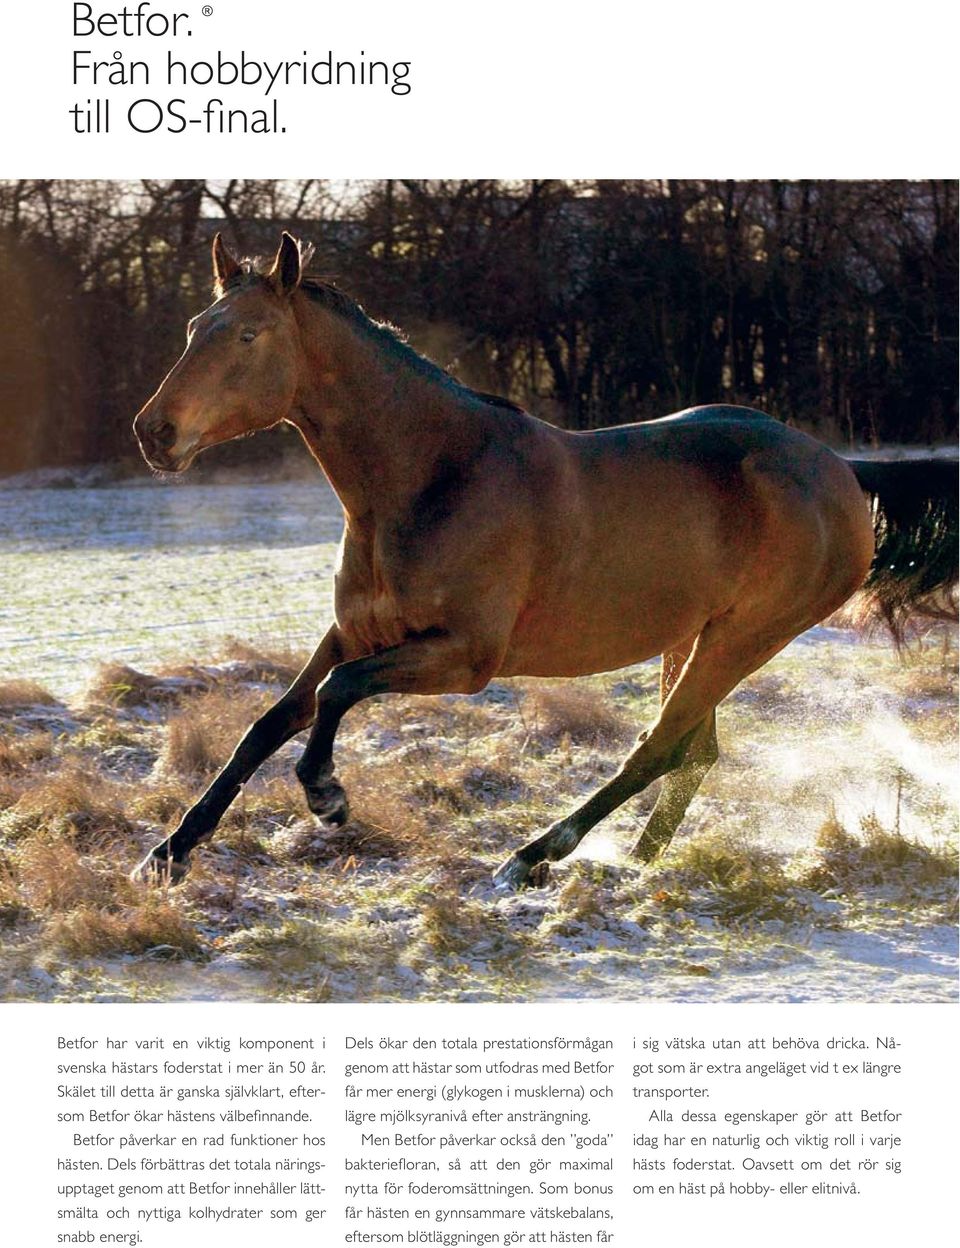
pixel 248 335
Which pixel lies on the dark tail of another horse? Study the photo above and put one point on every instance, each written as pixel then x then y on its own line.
pixel 914 571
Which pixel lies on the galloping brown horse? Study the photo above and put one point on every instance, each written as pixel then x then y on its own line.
pixel 481 542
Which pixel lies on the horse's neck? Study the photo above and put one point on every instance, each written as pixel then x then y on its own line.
pixel 376 425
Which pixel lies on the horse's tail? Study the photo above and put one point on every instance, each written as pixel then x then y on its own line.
pixel 914 570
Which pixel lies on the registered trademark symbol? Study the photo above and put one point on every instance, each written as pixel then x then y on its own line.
pixel 207 10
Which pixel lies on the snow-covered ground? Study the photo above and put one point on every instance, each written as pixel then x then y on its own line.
pixel 142 574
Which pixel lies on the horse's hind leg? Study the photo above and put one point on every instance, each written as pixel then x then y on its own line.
pixel 722 656
pixel 291 714
pixel 680 786
pixel 678 791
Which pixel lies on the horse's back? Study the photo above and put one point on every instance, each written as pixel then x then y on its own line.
pixel 721 433
pixel 703 416
pixel 727 449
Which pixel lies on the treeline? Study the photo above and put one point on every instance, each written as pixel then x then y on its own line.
pixel 829 304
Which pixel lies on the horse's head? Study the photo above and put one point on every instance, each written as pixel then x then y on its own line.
pixel 241 366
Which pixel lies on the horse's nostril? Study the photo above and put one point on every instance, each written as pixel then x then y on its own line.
pixel 162 434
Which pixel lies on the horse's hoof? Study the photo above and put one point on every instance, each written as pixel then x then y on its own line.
pixel 328 802
pixel 539 876
pixel 156 868
pixel 513 875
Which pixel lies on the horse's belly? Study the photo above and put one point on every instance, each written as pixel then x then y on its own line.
pixel 573 641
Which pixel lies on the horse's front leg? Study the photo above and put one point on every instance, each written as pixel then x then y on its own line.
pixel 432 663
pixel 170 860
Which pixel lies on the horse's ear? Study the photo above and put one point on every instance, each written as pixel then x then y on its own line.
pixel 286 270
pixel 224 265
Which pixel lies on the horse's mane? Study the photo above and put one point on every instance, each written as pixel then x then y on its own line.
pixel 322 290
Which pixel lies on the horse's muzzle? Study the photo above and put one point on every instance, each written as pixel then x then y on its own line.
pixel 157 437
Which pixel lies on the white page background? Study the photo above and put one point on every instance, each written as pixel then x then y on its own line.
pixel 505 90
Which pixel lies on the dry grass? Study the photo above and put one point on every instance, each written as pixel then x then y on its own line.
pixel 457 931
pixel 118 685
pixel 274 665
pixel 162 799
pixel 11 787
pixel 585 895
pixel 345 848
pixel 879 858
pixel 16 694
pixel 54 876
pixel 13 908
pixel 727 878
pixel 447 797
pixel 492 786
pixel 423 721
pixel 276 800
pixel 86 904
pixel 20 754
pixel 106 733
pixel 574 713
pixel 588 903
pixel 383 802
pixel 156 926
pixel 202 734
pixel 312 952
pixel 75 801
